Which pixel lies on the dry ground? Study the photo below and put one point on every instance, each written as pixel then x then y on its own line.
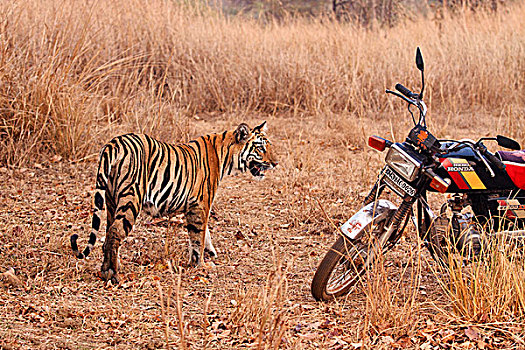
pixel 270 236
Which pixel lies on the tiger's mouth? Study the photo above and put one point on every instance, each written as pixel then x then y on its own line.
pixel 258 169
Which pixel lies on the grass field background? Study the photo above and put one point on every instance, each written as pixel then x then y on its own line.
pixel 75 72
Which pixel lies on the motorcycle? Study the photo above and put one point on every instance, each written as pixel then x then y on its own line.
pixel 485 195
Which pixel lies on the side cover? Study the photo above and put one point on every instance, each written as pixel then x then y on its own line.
pixel 515 165
pixel 374 211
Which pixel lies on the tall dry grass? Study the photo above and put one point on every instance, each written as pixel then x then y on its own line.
pixel 74 73
pixel 490 290
pixel 391 306
pixel 261 315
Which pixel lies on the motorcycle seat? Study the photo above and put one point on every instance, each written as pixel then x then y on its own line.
pixel 512 156
pixel 515 165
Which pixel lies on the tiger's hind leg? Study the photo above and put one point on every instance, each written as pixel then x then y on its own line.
pixel 123 219
pixel 197 226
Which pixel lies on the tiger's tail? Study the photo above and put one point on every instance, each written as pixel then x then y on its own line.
pixel 98 206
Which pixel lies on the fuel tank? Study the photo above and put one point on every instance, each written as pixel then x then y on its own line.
pixel 469 173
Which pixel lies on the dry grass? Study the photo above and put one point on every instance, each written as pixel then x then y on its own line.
pixel 270 236
pixel 489 290
pixel 76 71
pixel 392 305
pixel 260 317
pixel 73 74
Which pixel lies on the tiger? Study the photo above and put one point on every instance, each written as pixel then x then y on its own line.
pixel 139 173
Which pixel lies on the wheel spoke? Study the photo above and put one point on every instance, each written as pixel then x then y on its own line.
pixel 347 270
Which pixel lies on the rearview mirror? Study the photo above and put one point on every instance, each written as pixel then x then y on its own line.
pixel 509 143
pixel 419 60
pixel 421 66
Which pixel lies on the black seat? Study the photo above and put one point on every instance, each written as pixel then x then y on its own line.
pixel 512 156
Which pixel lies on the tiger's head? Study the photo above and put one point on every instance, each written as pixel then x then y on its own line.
pixel 256 152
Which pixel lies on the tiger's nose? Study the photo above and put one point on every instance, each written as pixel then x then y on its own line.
pixel 275 163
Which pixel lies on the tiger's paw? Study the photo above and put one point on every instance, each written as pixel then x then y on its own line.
pixel 109 275
pixel 211 251
pixel 194 257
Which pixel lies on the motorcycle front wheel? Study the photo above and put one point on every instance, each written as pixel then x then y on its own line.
pixel 346 261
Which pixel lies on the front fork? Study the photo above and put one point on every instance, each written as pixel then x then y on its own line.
pixel 400 218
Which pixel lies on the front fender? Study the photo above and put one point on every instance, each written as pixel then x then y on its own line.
pixel 374 211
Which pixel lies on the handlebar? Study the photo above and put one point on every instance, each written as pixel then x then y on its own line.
pixel 479 148
pixel 491 157
pixel 406 91
pixel 412 99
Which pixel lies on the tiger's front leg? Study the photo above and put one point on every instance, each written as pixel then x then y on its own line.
pixel 208 245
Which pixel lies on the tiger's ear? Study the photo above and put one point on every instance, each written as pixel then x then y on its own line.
pixel 242 133
pixel 261 128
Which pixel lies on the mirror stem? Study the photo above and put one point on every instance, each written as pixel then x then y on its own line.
pixel 422 85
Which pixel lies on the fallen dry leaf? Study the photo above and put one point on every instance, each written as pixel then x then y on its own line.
pixel 402 343
pixel 239 236
pixel 447 335
pixel 309 336
pixel 472 333
pixel 425 346
pixel 11 278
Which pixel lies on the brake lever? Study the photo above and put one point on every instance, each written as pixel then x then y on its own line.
pixel 407 100
pixel 416 102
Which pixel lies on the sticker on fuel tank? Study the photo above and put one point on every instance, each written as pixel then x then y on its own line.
pixel 462 173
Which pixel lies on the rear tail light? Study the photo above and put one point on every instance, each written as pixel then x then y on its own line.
pixel 377 142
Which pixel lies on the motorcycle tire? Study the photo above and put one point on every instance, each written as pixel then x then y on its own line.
pixel 361 252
